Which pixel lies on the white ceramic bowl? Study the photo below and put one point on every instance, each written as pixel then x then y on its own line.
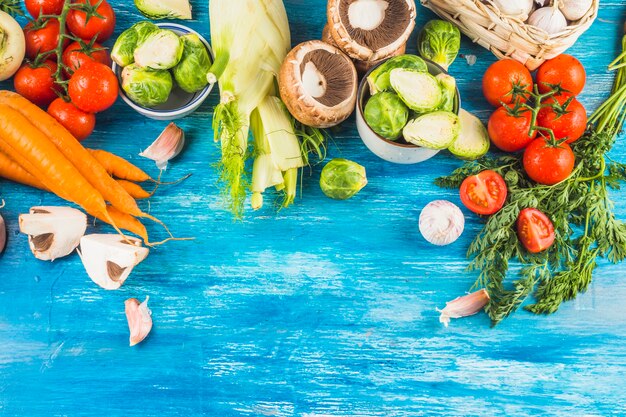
pixel 180 103
pixel 399 152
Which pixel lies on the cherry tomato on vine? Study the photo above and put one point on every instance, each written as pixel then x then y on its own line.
pixel 42 38
pixel 509 128
pixel 502 77
pixel 535 230
pixel 102 27
pixel 37 83
pixel 548 164
pixel 93 87
pixel 75 56
pixel 484 193
pixel 79 123
pixel 564 70
pixel 47 7
pixel 568 119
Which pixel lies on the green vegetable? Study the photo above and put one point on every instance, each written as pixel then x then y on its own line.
pixel 190 73
pixel 436 130
pixel 419 90
pixel 342 179
pixel 11 7
pixel 146 87
pixel 448 92
pixel 160 50
pixel 378 79
pixel 473 141
pixel 125 45
pixel 164 9
pixel 440 41
pixel 386 114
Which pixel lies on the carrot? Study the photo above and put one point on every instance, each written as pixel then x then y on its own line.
pixel 11 170
pixel 134 190
pixel 120 167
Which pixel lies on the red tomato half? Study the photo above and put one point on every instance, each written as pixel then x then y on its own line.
pixel 535 230
pixel 47 7
pixel 569 122
pixel 79 123
pixel 564 70
pixel 86 29
pixel 41 40
pixel 509 132
pixel 37 84
pixel 502 77
pixel 484 193
pixel 93 87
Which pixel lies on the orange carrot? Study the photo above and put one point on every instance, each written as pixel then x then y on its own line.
pixel 134 190
pixel 11 170
pixel 120 167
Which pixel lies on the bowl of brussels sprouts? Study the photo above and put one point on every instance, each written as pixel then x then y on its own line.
pixel 407 109
pixel 162 69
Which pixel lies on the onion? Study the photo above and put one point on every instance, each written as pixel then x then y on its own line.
pixel 441 222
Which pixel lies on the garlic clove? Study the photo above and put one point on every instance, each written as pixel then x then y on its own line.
pixel 139 319
pixel 109 259
pixel 467 305
pixel 53 232
pixel 441 222
pixel 3 234
pixel 166 147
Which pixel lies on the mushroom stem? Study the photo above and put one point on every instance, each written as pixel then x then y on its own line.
pixel 367 14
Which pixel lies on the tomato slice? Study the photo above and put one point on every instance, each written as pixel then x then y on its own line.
pixel 484 193
pixel 535 230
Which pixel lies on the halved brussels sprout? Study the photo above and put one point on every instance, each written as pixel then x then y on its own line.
pixel 440 41
pixel 437 130
pixel 160 50
pixel 190 73
pixel 386 114
pixel 378 79
pixel 125 45
pixel 419 90
pixel 342 179
pixel 146 87
pixel 164 9
pixel 448 91
pixel 473 141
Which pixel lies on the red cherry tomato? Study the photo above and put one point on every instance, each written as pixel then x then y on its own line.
pixel 79 123
pixel 484 193
pixel 567 120
pixel 75 56
pixel 502 77
pixel 548 164
pixel 535 230
pixel 102 27
pixel 564 70
pixel 43 39
pixel 47 7
pixel 509 131
pixel 93 87
pixel 37 84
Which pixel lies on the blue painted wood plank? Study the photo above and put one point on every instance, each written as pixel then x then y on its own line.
pixel 323 309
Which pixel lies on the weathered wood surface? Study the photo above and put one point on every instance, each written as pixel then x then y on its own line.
pixel 327 308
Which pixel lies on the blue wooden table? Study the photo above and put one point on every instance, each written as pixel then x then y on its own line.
pixel 324 309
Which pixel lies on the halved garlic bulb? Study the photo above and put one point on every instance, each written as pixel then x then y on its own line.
pixel 441 222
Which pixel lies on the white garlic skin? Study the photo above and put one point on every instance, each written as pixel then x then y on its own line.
pixel 514 8
pixel 550 19
pixel 575 9
pixel 441 222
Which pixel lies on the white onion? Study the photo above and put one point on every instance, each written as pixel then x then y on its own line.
pixel 575 9
pixel 441 222
pixel 550 19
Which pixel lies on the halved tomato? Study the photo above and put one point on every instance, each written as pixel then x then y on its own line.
pixel 484 193
pixel 535 230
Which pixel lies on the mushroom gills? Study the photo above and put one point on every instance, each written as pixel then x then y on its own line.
pixel 367 14
pixel 327 77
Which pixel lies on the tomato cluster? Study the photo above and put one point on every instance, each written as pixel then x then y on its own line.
pixel 84 84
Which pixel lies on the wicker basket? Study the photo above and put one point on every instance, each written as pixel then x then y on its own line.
pixel 506 36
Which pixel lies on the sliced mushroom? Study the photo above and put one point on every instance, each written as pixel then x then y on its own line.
pixel 109 259
pixel 318 84
pixel 53 232
pixel 371 30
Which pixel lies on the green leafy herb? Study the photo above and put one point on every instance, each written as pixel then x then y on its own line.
pixel 11 7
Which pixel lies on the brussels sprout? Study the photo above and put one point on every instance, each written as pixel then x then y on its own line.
pixel 440 41
pixel 160 50
pixel 386 114
pixel 419 90
pixel 190 73
pixel 448 91
pixel 126 43
pixel 164 9
pixel 342 179
pixel 146 87
pixel 378 79
pixel 437 130
pixel 473 141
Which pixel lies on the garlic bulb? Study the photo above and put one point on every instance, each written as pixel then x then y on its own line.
pixel 441 222
pixel 575 9
pixel 550 19
pixel 514 8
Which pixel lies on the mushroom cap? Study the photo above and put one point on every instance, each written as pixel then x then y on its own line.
pixel 327 37
pixel 376 44
pixel 338 81
pixel 363 66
